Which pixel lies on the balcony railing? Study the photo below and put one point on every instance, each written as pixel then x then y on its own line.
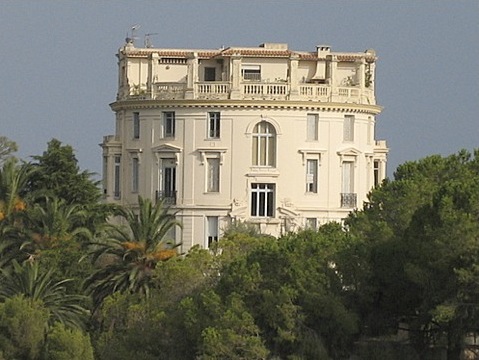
pixel 254 90
pixel 265 90
pixel 167 196
pixel 169 91
pixel 213 90
pixel 348 200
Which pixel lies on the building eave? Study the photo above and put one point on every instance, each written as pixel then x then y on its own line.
pixel 251 104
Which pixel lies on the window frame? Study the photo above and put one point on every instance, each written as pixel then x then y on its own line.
pixel 135 174
pixel 312 176
pixel 377 172
pixel 263 200
pixel 213 174
pixel 214 125
pixel 250 72
pixel 312 127
pixel 169 124
pixel 212 230
pixel 136 125
pixel 348 128
pixel 347 176
pixel 311 223
pixel 208 71
pixel 117 178
pixel 264 145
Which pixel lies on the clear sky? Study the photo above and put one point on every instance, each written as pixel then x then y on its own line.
pixel 58 71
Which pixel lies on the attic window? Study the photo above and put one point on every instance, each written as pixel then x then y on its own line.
pixel 251 72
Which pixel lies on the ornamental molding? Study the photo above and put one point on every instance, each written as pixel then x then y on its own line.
pixel 166 148
pixel 247 104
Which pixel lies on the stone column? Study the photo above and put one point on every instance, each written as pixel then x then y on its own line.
pixel 383 169
pixel 152 74
pixel 236 90
pixel 192 77
pixel 293 77
pixel 361 78
pixel 333 65
pixel 372 70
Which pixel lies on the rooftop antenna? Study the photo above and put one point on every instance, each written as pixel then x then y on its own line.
pixel 131 39
pixel 148 43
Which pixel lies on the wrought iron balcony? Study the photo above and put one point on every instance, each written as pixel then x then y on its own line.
pixel 348 200
pixel 167 196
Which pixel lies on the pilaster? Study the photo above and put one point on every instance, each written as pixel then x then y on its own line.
pixel 293 77
pixel 236 92
pixel 192 77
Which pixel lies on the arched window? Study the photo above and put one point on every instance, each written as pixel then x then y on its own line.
pixel 264 144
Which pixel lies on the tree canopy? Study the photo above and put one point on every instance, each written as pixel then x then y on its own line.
pixel 58 174
pixel 398 279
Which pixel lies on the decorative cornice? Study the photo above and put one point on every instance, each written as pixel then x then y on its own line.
pixel 248 104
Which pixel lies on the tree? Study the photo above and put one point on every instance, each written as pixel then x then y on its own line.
pixel 233 334
pixel 55 234
pixel 67 344
pixel 58 175
pixel 127 255
pixel 28 281
pixel 420 252
pixel 13 179
pixel 22 328
pixel 130 323
pixel 292 289
pixel 53 221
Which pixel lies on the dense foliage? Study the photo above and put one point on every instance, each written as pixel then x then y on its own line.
pixel 397 280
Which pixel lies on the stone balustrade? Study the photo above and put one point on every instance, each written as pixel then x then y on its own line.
pixel 249 90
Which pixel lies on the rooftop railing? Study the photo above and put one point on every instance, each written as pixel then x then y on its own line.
pixel 254 90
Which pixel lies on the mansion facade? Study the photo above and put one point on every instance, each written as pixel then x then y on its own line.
pixel 278 138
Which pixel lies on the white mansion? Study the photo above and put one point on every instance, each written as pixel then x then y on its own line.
pixel 279 138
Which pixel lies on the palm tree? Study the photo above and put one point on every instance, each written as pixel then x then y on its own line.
pixel 127 255
pixel 13 179
pixel 52 221
pixel 30 282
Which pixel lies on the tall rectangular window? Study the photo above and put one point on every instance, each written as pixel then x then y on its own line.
pixel 312 176
pixel 211 230
pixel 348 177
pixel 169 124
pixel 213 175
pixel 377 173
pixel 105 175
pixel 136 125
pixel 348 196
pixel 116 185
pixel 348 128
pixel 370 131
pixel 214 125
pixel 167 191
pixel 135 174
pixel 262 200
pixel 264 144
pixel 312 127
pixel 312 223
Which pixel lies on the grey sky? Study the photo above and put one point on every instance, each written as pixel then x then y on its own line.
pixel 58 67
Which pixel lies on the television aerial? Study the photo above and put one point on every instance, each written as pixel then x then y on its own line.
pixel 132 37
pixel 148 43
